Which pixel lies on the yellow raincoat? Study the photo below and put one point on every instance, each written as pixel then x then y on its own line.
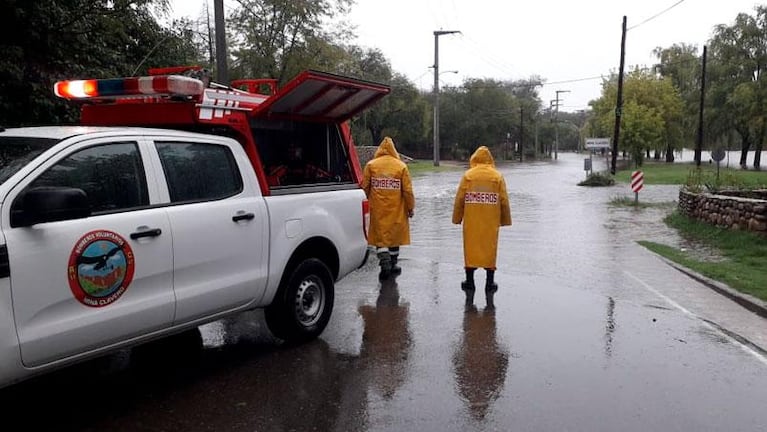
pixel 387 184
pixel 482 204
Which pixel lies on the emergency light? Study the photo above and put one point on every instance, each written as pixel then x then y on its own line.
pixel 171 85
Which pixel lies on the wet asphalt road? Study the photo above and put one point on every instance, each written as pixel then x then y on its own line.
pixel 591 332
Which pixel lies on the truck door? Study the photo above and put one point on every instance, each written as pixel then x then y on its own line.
pixel 81 284
pixel 219 223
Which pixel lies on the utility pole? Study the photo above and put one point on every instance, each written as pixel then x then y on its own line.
pixel 619 104
pixel 521 133
pixel 548 145
pixel 222 70
pixel 211 57
pixel 437 34
pixel 699 144
pixel 556 124
pixel 536 120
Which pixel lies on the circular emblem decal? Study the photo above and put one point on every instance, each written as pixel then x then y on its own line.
pixel 100 268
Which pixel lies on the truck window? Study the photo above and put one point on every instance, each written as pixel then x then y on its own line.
pixel 112 175
pixel 199 172
pixel 301 153
pixel 15 152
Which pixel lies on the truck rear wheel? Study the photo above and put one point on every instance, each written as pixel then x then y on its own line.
pixel 303 304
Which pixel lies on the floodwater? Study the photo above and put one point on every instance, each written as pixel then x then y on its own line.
pixel 731 159
pixel 591 332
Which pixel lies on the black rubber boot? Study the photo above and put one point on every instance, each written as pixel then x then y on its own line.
pixel 395 269
pixel 384 260
pixel 490 297
pixel 468 287
pixel 490 289
pixel 469 291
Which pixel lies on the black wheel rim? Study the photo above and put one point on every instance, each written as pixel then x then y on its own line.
pixel 309 301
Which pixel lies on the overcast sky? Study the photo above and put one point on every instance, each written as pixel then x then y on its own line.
pixel 560 40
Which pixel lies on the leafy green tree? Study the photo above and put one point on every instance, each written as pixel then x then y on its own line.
pixel 739 93
pixel 403 114
pixel 278 38
pixel 488 112
pixel 681 64
pixel 48 40
pixel 642 126
pixel 650 102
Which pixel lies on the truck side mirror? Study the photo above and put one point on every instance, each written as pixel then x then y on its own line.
pixel 49 204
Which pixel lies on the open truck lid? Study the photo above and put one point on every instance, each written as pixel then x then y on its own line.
pixel 320 96
pixel 166 98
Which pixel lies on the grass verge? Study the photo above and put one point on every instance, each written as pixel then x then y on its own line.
pixel 418 167
pixel 678 173
pixel 625 201
pixel 745 255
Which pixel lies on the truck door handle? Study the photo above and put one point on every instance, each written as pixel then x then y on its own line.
pixel 147 233
pixel 243 216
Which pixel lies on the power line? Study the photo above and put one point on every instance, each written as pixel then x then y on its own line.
pixel 657 14
pixel 455 13
pixel 479 52
pixel 573 80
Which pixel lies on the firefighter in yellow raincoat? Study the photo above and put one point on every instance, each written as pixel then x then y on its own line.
pixel 387 184
pixel 482 204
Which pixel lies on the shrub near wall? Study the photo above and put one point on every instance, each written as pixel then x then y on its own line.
pixel 726 211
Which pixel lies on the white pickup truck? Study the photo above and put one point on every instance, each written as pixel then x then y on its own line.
pixel 114 236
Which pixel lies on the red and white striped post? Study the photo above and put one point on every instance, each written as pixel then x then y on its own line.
pixel 637 181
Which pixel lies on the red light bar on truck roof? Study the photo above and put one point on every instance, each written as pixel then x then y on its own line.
pixel 129 87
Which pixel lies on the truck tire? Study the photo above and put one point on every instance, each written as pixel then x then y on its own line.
pixel 303 304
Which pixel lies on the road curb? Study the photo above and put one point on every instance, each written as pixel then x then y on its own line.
pixel 749 302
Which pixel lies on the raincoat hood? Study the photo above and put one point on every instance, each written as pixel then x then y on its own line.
pixel 481 156
pixel 387 149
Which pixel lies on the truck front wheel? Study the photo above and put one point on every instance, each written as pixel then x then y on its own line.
pixel 303 304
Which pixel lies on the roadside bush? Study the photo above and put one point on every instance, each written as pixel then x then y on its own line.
pixel 598 179
pixel 697 180
pixel 694 182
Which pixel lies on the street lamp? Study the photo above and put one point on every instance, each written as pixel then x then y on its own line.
pixel 437 34
pixel 450 71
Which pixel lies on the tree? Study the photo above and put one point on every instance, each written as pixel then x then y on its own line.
pixel 739 54
pixel 650 103
pixel 48 40
pixel 642 127
pixel 726 75
pixel 488 112
pixel 681 64
pixel 403 114
pixel 278 38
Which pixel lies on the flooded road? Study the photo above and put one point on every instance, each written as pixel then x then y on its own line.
pixel 591 332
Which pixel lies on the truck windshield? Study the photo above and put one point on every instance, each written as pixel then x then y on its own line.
pixel 15 152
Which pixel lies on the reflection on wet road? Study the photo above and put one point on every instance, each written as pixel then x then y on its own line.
pixel 590 333
pixel 385 341
pixel 480 362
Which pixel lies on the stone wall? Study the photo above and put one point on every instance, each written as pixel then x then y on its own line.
pixel 760 194
pixel 730 212
pixel 366 153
